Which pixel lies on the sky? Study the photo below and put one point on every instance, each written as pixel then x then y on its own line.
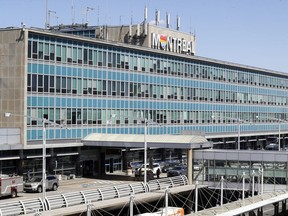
pixel 248 32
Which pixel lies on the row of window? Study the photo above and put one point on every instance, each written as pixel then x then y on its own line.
pixel 97 87
pixel 94 55
pixel 84 116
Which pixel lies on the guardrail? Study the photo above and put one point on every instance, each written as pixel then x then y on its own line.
pixel 81 197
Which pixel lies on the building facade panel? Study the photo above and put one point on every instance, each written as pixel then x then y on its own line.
pixel 83 81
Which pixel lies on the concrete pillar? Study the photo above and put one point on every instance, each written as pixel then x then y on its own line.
pixel 260 211
pixel 276 208
pixel 111 162
pixel 163 154
pixel 179 154
pixel 190 165
pixel 124 160
pixel 20 163
pixel 79 166
pixel 257 143
pixel 283 206
pixel 102 161
pixel 224 143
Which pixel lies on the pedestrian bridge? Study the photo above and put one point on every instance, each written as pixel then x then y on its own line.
pixel 249 206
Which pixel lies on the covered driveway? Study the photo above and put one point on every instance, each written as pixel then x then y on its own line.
pixel 188 142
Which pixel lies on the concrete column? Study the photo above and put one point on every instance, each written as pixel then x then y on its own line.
pixel 124 160
pixel 224 143
pixel 276 208
pixel 283 206
pixel 20 163
pixel 190 166
pixel 79 166
pixel 111 162
pixel 163 154
pixel 179 154
pixel 260 211
pixel 257 142
pixel 102 161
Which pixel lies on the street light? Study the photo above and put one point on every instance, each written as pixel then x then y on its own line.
pixel 146 123
pixel 44 123
pixel 279 129
pixel 238 127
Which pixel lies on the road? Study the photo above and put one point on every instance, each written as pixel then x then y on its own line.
pixel 66 186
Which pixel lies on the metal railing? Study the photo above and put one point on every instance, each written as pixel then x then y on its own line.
pixel 81 197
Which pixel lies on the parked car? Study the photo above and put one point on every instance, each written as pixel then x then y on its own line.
pixel 169 166
pixel 156 166
pixel 177 170
pixel 34 184
pixel 196 166
pixel 272 147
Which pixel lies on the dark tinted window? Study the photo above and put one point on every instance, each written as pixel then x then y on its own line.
pixel 51 177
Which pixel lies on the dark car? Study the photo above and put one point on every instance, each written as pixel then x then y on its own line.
pixel 177 170
pixel 168 166
pixel 272 147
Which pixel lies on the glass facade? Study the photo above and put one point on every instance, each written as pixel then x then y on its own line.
pixel 82 82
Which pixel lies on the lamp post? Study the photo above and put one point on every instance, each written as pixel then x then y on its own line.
pixel 146 122
pixel 279 129
pixel 238 122
pixel 238 128
pixel 44 122
pixel 145 151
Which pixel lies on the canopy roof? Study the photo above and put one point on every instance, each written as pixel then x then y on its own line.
pixel 137 141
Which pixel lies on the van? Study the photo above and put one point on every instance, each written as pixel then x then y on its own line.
pixel 272 147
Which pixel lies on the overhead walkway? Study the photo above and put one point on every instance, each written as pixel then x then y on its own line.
pixel 251 206
pixel 231 164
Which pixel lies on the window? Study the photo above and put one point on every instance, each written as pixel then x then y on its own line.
pixel 58 53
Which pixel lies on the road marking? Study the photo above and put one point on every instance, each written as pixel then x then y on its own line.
pixel 102 182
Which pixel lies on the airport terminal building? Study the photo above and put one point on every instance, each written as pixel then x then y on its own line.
pixel 105 79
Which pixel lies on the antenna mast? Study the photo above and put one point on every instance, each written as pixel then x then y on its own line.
pixel 46 20
pixel 87 10
pixel 73 12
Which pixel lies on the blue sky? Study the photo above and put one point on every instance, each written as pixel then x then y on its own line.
pixel 249 32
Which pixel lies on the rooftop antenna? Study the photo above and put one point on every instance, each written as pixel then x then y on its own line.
pixel 190 26
pixel 98 14
pixel 145 20
pixel 167 20
pixel 57 17
pixel 145 14
pixel 87 10
pixel 131 17
pixel 157 17
pixel 73 12
pixel 46 19
pixel 178 23
pixel 49 16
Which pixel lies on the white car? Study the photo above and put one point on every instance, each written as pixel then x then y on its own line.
pixel 156 166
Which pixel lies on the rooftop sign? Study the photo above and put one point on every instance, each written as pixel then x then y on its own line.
pixel 172 44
